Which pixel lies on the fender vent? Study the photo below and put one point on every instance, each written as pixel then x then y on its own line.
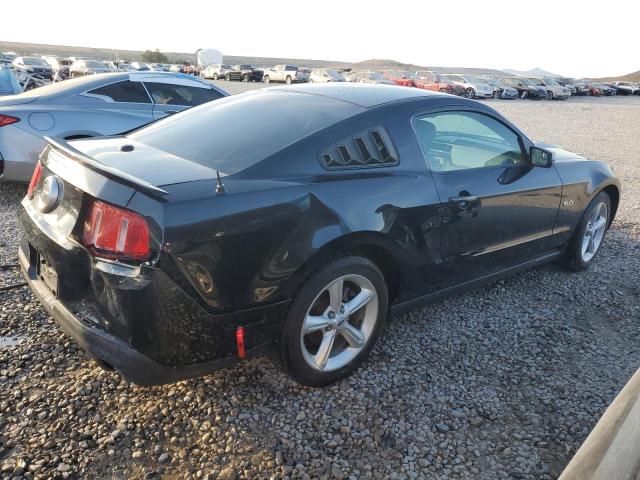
pixel 370 148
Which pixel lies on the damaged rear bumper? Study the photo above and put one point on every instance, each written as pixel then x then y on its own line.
pixel 100 344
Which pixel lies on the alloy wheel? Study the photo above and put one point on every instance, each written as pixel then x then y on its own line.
pixel 339 323
pixel 594 231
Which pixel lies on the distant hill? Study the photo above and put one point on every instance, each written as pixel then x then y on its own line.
pixel 630 77
pixel 534 72
pixel 376 64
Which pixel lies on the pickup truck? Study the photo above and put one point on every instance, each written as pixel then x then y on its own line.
pixel 285 73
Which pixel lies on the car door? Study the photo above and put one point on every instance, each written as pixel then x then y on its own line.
pixel 173 95
pixel 497 209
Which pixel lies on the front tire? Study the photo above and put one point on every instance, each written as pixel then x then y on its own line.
pixel 550 95
pixel 288 80
pixel 589 234
pixel 471 93
pixel 334 321
pixel 227 78
pixel 245 78
pixel 215 76
pixel 266 79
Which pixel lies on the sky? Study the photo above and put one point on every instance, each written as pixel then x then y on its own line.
pixel 580 38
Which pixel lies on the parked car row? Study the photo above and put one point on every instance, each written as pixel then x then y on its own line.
pixel 48 67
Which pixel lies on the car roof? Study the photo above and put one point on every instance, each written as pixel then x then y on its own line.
pixel 364 95
pixel 78 85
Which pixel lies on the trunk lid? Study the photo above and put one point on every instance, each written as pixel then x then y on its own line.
pixel 142 162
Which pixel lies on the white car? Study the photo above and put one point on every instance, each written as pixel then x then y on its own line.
pixel 285 73
pixel 626 88
pixel 473 86
pixel 140 66
pixel 368 76
pixel 323 75
pixel 555 91
pixel 82 68
pixel 215 71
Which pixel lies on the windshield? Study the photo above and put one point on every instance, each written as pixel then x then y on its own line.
pixel 551 82
pixel 33 61
pixel 236 132
pixel 93 64
pixel 333 73
pixel 537 82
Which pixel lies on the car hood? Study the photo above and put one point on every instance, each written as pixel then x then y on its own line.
pixel 560 155
pixel 143 162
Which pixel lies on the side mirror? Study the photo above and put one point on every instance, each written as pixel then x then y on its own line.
pixel 540 158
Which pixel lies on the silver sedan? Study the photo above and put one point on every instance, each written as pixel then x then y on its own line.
pixel 96 105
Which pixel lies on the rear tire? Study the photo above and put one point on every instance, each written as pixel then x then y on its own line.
pixel 589 234
pixel 321 342
pixel 227 78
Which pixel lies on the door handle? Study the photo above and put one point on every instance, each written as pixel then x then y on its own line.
pixel 464 201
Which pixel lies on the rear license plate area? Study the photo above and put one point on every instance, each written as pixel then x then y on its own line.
pixel 46 272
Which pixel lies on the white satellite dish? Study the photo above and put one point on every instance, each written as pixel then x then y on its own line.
pixel 208 56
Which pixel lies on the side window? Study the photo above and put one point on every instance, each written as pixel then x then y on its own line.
pixel 127 91
pixel 464 140
pixel 168 94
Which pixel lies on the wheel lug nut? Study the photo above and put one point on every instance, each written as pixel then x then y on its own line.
pixel 332 315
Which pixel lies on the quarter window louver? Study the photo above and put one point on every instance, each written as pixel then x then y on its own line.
pixel 369 148
pixel 382 148
pixel 362 148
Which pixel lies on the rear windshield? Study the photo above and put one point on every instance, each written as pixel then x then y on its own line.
pixel 236 132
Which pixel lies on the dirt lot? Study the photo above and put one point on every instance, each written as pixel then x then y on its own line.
pixel 504 382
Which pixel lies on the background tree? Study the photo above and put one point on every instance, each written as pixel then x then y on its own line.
pixel 155 56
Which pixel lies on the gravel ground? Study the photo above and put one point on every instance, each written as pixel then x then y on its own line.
pixel 503 382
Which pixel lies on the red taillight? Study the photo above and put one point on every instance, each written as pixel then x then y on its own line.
pixel 35 177
pixel 240 342
pixel 113 232
pixel 8 120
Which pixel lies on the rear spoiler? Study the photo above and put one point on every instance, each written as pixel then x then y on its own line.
pixel 109 172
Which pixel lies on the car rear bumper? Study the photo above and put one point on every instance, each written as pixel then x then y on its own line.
pixel 137 319
pixel 101 345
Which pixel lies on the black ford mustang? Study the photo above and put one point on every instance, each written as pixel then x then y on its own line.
pixel 292 221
